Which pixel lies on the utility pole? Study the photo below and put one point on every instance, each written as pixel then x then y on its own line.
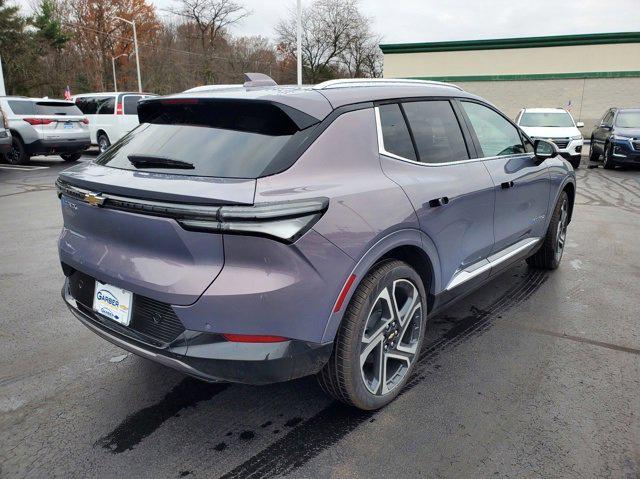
pixel 135 45
pixel 299 43
pixel 3 91
pixel 113 65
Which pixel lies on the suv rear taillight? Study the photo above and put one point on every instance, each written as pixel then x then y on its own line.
pixel 119 109
pixel 284 221
pixel 38 121
pixel 85 121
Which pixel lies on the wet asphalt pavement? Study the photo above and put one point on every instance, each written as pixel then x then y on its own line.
pixel 536 375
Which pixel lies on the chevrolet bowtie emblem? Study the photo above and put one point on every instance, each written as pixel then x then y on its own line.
pixel 94 199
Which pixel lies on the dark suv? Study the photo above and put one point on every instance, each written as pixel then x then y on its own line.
pixel 264 233
pixel 616 140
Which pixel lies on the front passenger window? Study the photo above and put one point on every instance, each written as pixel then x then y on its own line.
pixel 497 137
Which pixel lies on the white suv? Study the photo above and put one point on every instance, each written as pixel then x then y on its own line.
pixel 111 115
pixel 557 125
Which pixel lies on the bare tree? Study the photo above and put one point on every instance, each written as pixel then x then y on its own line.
pixel 335 36
pixel 210 19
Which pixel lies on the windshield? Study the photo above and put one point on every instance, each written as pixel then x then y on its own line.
pixel 628 119
pixel 560 119
pixel 223 140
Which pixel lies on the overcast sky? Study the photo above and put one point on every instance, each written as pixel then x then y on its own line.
pixel 438 20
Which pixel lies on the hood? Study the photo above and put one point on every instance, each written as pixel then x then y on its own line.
pixel 630 132
pixel 551 131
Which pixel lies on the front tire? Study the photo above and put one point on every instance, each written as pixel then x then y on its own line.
pixel 607 160
pixel 550 253
pixel 593 156
pixel 17 155
pixel 379 340
pixel 71 157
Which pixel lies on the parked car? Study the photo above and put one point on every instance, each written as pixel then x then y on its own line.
pixel 111 114
pixel 260 235
pixel 44 127
pixel 5 135
pixel 556 125
pixel 616 140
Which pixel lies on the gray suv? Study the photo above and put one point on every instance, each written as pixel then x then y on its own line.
pixel 44 127
pixel 264 233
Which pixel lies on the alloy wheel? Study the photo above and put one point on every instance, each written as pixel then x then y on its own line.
pixel 391 336
pixel 561 233
pixel 103 144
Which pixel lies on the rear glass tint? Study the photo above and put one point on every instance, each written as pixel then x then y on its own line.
pixel 57 108
pixel 224 139
pixel 22 107
pixel 130 104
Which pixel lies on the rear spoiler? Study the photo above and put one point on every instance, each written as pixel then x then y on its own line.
pixel 234 113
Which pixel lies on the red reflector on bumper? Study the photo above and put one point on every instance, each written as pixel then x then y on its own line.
pixel 344 292
pixel 253 338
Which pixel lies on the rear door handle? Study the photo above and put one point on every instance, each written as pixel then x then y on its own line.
pixel 507 184
pixel 439 202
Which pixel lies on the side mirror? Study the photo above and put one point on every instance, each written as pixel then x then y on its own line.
pixel 580 124
pixel 544 149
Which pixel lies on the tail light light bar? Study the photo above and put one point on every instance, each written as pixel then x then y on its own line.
pixel 253 338
pixel 38 121
pixel 119 109
pixel 284 221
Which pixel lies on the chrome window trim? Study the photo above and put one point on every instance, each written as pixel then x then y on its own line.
pixel 383 151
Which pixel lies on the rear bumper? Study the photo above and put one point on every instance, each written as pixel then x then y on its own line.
pixel 210 357
pixel 54 147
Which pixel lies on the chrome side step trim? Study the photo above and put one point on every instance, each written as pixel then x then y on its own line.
pixel 485 265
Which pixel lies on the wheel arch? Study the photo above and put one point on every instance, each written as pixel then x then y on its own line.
pixel 409 245
pixel 570 189
pixel 16 134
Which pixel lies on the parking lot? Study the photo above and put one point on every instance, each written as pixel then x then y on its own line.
pixel 535 375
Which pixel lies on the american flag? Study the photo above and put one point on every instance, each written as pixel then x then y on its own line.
pixel 67 93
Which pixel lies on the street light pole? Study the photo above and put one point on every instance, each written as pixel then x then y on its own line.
pixel 113 65
pixel 299 43
pixel 135 45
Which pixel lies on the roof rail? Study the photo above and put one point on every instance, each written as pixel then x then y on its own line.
pixel 351 82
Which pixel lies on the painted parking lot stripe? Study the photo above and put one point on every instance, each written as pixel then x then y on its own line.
pixel 24 167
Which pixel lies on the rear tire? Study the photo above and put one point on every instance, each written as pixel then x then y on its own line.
pixel 378 343
pixel 103 142
pixel 71 157
pixel 550 253
pixel 17 155
pixel 575 163
pixel 607 161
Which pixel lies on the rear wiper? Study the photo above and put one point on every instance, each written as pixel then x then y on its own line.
pixel 142 161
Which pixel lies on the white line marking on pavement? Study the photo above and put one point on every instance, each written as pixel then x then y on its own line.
pixel 23 167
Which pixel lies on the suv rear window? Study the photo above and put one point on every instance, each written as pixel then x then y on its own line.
pixel 218 138
pixel 56 108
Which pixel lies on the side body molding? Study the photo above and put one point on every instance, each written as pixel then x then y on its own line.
pixel 404 237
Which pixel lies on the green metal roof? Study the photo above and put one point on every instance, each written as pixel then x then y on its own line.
pixel 505 43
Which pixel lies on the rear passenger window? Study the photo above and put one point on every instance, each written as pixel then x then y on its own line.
pixel 496 135
pixel 395 133
pixel 436 131
pixel 105 106
pixel 22 107
pixel 87 105
pixel 130 103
